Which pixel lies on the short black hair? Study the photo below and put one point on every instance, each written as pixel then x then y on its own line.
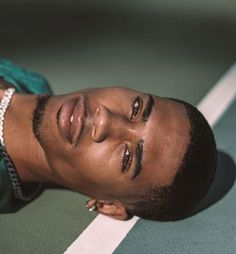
pixel 192 181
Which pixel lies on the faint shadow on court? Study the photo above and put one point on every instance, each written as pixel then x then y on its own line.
pixel 224 181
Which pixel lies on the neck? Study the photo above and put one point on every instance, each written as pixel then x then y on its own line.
pixel 22 146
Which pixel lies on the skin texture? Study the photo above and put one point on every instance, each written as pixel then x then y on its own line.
pixel 93 164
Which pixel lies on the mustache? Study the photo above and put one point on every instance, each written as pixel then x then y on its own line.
pixel 38 114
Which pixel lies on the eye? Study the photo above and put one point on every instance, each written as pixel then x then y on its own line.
pixel 126 160
pixel 145 114
pixel 136 107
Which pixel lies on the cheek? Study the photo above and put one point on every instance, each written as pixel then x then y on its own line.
pixel 96 159
pixel 99 165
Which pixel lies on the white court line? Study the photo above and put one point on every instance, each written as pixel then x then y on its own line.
pixel 219 98
pixel 103 235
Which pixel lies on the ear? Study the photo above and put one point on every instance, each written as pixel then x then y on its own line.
pixel 112 209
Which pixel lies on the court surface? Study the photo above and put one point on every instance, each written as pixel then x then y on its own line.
pixel 175 52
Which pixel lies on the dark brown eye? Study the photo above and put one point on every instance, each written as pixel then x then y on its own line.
pixel 136 107
pixel 126 159
pixel 145 115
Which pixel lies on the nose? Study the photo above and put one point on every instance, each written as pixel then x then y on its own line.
pixel 108 124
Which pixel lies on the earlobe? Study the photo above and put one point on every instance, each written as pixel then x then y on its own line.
pixel 112 209
pixel 91 205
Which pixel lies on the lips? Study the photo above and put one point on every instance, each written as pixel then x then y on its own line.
pixel 70 119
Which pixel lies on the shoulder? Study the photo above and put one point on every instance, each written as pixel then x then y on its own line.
pixel 5 190
pixel 25 81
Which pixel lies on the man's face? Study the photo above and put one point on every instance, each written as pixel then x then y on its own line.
pixel 113 141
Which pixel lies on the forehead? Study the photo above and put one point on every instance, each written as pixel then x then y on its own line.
pixel 166 139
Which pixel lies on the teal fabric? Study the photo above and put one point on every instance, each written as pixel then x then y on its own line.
pixel 25 82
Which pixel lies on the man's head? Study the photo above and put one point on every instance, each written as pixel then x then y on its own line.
pixel 192 180
pixel 132 152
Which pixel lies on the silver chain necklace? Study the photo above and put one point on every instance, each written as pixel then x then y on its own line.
pixel 16 185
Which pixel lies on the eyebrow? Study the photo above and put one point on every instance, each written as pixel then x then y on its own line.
pixel 139 147
pixel 138 159
pixel 148 109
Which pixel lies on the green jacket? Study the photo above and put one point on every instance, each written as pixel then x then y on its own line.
pixel 25 82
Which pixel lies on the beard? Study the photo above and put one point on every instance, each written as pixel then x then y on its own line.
pixel 38 115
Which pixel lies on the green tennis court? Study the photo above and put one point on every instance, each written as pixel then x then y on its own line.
pixel 168 49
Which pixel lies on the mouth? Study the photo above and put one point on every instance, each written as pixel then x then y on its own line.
pixel 70 119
